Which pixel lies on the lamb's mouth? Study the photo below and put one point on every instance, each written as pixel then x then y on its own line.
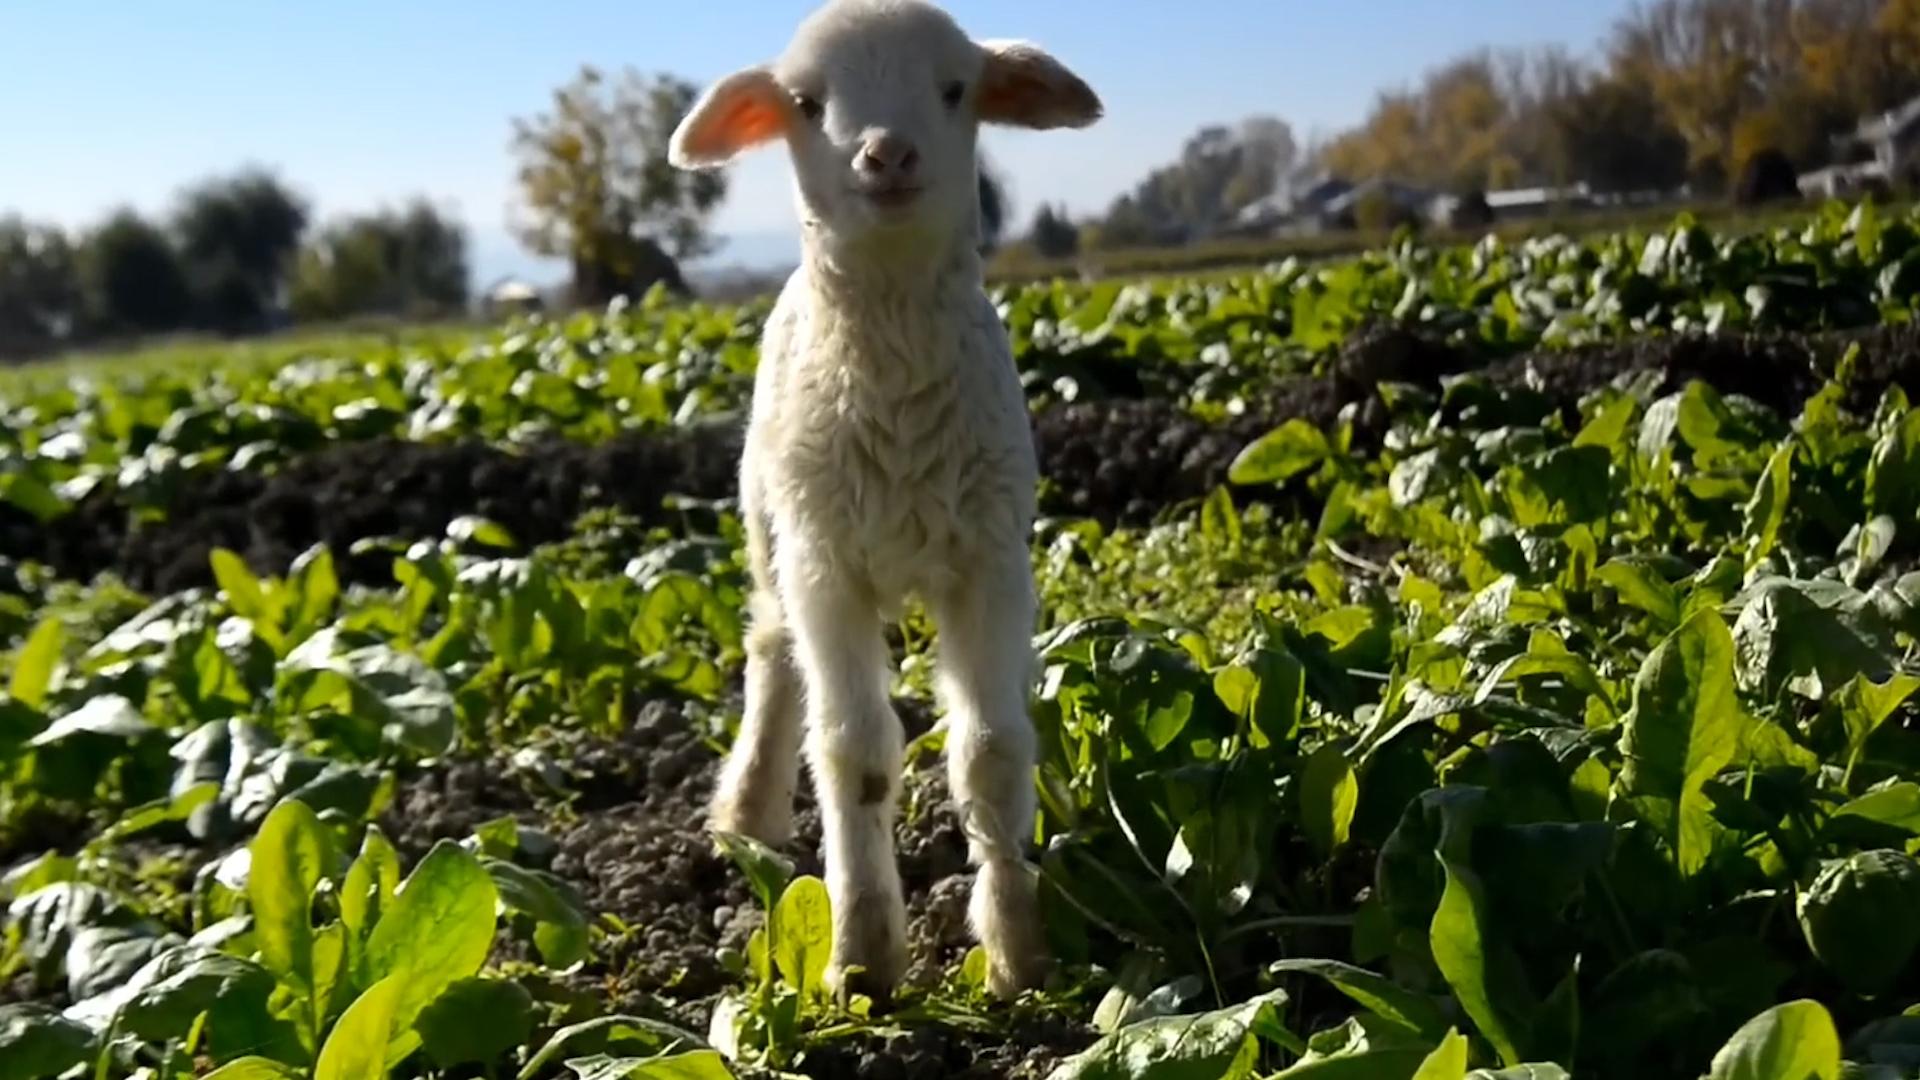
pixel 892 196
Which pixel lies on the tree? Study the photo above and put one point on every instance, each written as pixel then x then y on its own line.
pixel 1766 176
pixel 39 282
pixel 1221 170
pixel 411 262
pixel 1268 157
pixel 132 277
pixel 994 210
pixel 238 237
pixel 1388 143
pixel 1539 86
pixel 1615 138
pixel 1898 26
pixel 597 188
pixel 1053 235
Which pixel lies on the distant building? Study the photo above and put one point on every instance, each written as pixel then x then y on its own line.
pixel 1535 201
pixel 1882 152
pixel 513 297
pixel 1894 139
pixel 1843 181
pixel 1403 201
pixel 1296 211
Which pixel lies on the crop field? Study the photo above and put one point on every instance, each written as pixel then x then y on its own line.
pixel 1495 661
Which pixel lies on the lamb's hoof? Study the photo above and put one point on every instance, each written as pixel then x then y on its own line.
pixel 1010 976
pixel 869 949
pixel 741 817
pixel 844 983
pixel 1005 913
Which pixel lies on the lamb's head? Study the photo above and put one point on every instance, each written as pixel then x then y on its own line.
pixel 880 102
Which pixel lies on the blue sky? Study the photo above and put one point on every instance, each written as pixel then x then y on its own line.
pixel 362 102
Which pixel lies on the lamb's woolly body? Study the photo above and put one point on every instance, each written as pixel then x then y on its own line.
pixel 889 436
pixel 888 454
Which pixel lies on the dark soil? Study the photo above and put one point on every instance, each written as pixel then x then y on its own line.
pixel 379 488
pixel 1114 460
pixel 632 841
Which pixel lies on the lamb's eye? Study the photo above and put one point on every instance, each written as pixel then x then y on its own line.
pixel 953 93
pixel 810 107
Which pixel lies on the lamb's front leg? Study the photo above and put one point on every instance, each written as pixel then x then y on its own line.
pixel 754 795
pixel 985 631
pixel 854 747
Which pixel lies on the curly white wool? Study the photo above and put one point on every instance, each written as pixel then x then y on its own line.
pixel 888 453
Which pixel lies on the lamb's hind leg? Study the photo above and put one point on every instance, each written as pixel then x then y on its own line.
pixel 754 796
pixel 854 746
pixel 986 629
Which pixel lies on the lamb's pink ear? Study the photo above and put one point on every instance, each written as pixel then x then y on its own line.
pixel 736 114
pixel 1023 86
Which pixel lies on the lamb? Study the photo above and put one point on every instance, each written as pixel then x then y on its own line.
pixel 888 453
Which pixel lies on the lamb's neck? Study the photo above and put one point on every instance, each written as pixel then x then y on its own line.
pixel 916 275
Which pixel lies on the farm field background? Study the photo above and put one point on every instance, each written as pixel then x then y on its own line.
pixel 1495 660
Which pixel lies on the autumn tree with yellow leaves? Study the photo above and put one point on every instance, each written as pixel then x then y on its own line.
pixel 1682 90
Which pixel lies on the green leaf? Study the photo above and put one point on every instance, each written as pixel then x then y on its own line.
pixel 437 931
pixel 245 594
pixel 1267 688
pixel 1609 425
pixel 1448 1061
pixel 30 493
pixel 370 882
pixel 561 933
pixel 1209 1046
pixel 1293 447
pixel 1556 1026
pixel 1893 474
pixel 1808 638
pixel 164 997
pixel 803 935
pixel 102 958
pixel 289 855
pixel 37 1043
pixel 36 874
pixel 1683 727
pixel 108 716
pixel 1560 487
pixel 357 1047
pixel 1475 961
pixel 470 528
pixel 767 870
pixel 476 1021
pixel 1639 586
pixel 616 1035
pixel 1767 509
pixel 168 811
pixel 254 1068
pixel 1793 1041
pixel 1861 918
pixel 1329 795
pixel 1408 880
pixel 34 664
pixel 1219 521
pixel 1357 1050
pixel 1412 1012
pixel 315 586
pixel 1864 705
pixel 689 1065
pixel 1896 805
pixel 396 692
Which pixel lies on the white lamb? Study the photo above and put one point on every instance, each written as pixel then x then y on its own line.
pixel 888 453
